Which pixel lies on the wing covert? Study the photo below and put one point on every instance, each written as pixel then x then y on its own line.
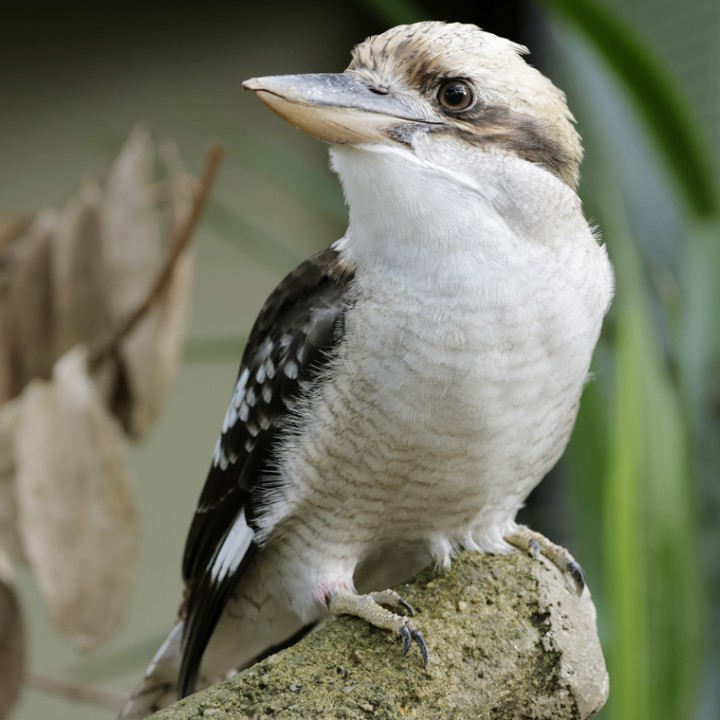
pixel 293 338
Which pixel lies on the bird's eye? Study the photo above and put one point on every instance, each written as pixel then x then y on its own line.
pixel 455 95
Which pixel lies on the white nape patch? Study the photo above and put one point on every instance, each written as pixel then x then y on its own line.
pixel 233 549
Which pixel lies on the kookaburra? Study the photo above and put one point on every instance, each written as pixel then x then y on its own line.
pixel 403 390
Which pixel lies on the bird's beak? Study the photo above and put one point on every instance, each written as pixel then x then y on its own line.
pixel 337 107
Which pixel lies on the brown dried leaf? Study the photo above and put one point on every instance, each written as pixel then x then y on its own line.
pixel 76 276
pixel 174 307
pixel 152 351
pixel 80 295
pixel 77 512
pixel 131 240
pixel 12 645
pixel 29 308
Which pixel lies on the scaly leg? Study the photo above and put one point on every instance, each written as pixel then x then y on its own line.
pixel 534 543
pixel 367 608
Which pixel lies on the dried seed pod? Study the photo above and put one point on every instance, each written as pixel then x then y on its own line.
pixel 29 306
pixel 77 512
pixel 80 297
pixel 135 240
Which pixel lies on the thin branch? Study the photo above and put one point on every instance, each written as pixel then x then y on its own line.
pixel 75 692
pixel 179 243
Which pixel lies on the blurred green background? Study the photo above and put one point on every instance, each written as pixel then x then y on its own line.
pixel 637 495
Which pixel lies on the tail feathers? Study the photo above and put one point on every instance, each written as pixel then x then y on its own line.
pixel 159 686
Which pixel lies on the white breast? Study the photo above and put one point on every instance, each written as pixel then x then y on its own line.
pixel 455 388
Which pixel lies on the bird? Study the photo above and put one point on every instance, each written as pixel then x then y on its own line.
pixel 404 389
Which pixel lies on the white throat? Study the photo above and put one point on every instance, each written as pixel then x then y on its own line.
pixel 408 212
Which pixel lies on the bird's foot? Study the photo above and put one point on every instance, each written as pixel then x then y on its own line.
pixel 368 607
pixel 536 544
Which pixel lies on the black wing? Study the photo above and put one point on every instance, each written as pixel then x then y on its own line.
pixel 292 340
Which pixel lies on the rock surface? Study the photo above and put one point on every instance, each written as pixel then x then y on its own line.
pixel 508 639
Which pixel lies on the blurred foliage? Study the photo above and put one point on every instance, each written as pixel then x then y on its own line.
pixel 657 99
pixel 650 181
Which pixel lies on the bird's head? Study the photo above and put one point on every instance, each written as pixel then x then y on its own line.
pixel 430 87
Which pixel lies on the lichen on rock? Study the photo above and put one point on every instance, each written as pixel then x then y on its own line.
pixel 508 638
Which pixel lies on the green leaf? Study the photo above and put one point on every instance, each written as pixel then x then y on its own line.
pixel 658 100
pixel 652 571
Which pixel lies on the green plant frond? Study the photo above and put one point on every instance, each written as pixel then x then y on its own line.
pixel 658 100
pixel 651 540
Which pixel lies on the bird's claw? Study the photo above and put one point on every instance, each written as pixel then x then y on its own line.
pixel 368 607
pixel 394 599
pixel 406 639
pixel 409 633
pixel 536 544
pixel 576 572
pixel 534 548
